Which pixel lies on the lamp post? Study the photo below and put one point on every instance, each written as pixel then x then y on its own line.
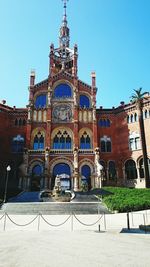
pixel 6 183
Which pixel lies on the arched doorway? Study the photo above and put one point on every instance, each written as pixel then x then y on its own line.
pixel 62 169
pixel 86 175
pixel 36 178
pixel 130 169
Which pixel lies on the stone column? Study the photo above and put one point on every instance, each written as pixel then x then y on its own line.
pixel 76 169
pixel 46 178
pixel 124 177
pixel 50 181
pixel 20 183
pixel 28 183
pixel 76 180
pixel 98 169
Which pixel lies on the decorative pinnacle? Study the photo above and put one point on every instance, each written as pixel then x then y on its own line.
pixel 65 6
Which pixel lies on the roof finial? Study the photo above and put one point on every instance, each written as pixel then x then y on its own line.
pixel 65 6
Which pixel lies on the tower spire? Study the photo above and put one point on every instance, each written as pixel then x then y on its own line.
pixel 65 7
pixel 64 30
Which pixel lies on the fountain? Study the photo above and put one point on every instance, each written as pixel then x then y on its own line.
pixel 58 194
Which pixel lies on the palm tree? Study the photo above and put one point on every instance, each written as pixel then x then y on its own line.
pixel 137 98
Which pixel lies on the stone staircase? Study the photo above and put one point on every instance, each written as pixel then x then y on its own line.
pixel 53 208
pixel 28 203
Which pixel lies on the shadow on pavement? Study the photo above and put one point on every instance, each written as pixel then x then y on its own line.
pixel 133 231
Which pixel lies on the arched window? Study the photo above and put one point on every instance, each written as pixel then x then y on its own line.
pixel 16 122
pixel 20 122
pixel 40 101
pixel 84 101
pixel 131 118
pixel 37 170
pixel 86 175
pixel 105 144
pixel 141 169
pixel 135 117
pixel 61 168
pixel 104 123
pixel 85 141
pixel 24 122
pixel 62 91
pixel 130 169
pixel 101 123
pixel 38 141
pixel 134 141
pixel 18 144
pixel 112 170
pixel 108 123
pixel 128 119
pixel 62 140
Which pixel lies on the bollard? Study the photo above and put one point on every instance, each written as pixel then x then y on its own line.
pixel 72 222
pixel 132 218
pixel 144 222
pixel 99 228
pixel 128 221
pixel 39 222
pixel 5 222
pixel 104 220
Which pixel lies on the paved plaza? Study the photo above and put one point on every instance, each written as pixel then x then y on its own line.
pixel 73 243
pixel 74 249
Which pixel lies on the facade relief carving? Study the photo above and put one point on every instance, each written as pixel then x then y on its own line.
pixel 62 113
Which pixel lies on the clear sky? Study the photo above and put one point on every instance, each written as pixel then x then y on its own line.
pixel 113 38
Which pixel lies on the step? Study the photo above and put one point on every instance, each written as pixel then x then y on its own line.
pixel 54 208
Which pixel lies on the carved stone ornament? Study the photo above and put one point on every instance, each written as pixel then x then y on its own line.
pixel 62 113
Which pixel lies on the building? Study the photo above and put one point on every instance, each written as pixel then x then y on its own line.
pixel 61 132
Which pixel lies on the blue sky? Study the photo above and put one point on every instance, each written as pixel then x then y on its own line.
pixel 113 38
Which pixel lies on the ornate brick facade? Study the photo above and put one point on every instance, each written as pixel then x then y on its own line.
pixel 62 132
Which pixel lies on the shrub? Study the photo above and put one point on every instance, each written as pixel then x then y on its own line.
pixel 125 199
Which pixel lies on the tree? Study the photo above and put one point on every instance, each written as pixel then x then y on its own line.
pixel 137 98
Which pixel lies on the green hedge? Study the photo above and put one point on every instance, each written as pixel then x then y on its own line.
pixel 125 199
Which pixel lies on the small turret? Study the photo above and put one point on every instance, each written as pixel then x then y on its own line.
pixel 93 76
pixel 32 78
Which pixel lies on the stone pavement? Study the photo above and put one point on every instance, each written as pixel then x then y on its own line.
pixel 73 243
pixel 73 249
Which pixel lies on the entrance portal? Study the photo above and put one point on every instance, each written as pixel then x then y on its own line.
pixel 63 170
pixel 36 178
pixel 86 175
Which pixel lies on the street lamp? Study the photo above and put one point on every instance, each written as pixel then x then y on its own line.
pixel 6 183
